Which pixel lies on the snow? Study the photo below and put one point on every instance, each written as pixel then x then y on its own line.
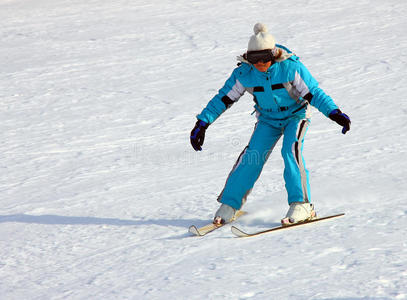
pixel 99 184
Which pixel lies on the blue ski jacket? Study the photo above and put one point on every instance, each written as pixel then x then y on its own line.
pixel 281 93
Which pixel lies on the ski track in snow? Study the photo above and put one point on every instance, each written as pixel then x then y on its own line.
pixel 99 184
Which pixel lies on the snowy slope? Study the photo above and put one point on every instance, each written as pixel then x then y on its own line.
pixel 99 184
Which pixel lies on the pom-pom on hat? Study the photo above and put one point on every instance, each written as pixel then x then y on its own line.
pixel 261 39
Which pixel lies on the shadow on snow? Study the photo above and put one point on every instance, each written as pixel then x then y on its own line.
pixel 65 220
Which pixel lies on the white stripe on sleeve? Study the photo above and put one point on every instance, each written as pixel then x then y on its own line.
pixel 236 92
pixel 300 85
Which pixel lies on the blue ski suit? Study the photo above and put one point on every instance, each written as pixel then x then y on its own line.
pixel 282 96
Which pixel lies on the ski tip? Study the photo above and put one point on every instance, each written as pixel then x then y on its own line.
pixel 239 233
pixel 193 230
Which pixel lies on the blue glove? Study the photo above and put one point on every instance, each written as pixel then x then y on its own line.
pixel 340 118
pixel 198 135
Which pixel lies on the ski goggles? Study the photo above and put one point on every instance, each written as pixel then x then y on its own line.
pixel 254 57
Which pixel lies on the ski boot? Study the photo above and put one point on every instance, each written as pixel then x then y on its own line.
pixel 224 214
pixel 299 212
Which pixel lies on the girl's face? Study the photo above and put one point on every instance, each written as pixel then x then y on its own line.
pixel 262 66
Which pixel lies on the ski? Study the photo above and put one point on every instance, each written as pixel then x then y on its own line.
pixel 201 231
pixel 240 233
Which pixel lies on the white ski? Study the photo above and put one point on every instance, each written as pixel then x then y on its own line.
pixel 211 227
pixel 240 233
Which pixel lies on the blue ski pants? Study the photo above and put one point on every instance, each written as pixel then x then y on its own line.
pixel 250 163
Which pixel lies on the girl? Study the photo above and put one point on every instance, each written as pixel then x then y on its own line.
pixel 282 90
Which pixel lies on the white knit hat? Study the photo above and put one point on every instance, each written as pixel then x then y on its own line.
pixel 261 39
